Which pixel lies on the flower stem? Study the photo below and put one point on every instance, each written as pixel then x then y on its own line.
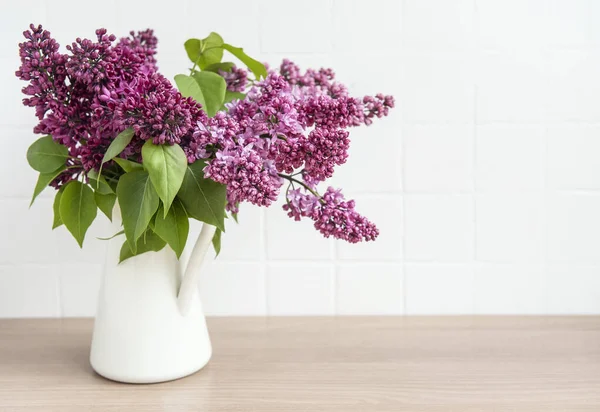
pixel 301 183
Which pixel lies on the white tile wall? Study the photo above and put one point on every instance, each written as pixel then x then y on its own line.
pixel 573 289
pixel 29 291
pixel 570 145
pixel 439 288
pixel 79 285
pixel 438 158
pixel 573 231
pixel 510 86
pixel 572 91
pixel 300 289
pixel 349 15
pixel 437 25
pixel 509 228
pixel 510 158
pixel 370 289
pixel 228 288
pixel 439 228
pixel 484 182
pixel 509 289
pixel 438 87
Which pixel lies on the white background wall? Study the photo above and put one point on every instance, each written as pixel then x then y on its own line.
pixel 484 181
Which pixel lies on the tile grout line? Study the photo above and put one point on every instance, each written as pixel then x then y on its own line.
pixel 404 282
pixel 310 263
pixel 543 262
pixel 60 303
pixel 263 258
pixel 474 61
pixel 334 258
pixel 544 210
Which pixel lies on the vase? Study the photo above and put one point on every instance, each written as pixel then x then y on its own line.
pixel 149 325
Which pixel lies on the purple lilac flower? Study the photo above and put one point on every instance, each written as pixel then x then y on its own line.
pixel 142 45
pixel 247 176
pixel 269 134
pixel 90 62
pixel 236 79
pixel 332 214
pixel 85 98
pixel 324 150
pixel 291 123
pixel 156 110
pixel 312 82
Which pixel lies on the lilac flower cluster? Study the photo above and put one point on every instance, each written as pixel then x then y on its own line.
pixel 333 216
pixel 156 110
pixel 235 162
pixel 290 127
pixel 85 98
pixel 290 124
pixel 324 149
pixel 236 79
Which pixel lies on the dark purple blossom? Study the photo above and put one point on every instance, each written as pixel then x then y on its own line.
pixel 156 110
pixel 85 98
pixel 91 62
pixel 332 215
pixel 236 78
pixel 324 150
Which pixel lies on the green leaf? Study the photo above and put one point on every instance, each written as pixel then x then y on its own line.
pixel 46 156
pixel 213 89
pixel 235 217
pixel 255 66
pixel 106 203
pixel 44 180
pixel 192 48
pixel 112 237
pixel 216 241
pixel 151 223
pixel 203 199
pixel 77 209
pixel 211 50
pixel 207 51
pixel 215 67
pixel 189 87
pixel 128 165
pixel 119 144
pixel 138 201
pixel 99 183
pixel 147 243
pixel 56 207
pixel 166 165
pixel 231 96
pixel 173 228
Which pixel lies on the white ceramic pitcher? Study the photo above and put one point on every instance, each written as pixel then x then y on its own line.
pixel 150 326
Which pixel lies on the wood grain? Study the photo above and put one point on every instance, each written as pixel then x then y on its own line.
pixel 390 364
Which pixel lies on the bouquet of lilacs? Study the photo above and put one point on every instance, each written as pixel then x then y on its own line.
pixel 115 129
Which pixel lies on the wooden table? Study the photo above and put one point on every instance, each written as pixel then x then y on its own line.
pixel 391 364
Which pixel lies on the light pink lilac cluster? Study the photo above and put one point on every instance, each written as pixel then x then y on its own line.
pixel 291 127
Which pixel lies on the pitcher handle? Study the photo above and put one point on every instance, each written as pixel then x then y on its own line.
pixel 189 283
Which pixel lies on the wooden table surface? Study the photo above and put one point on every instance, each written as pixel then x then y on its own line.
pixel 391 364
